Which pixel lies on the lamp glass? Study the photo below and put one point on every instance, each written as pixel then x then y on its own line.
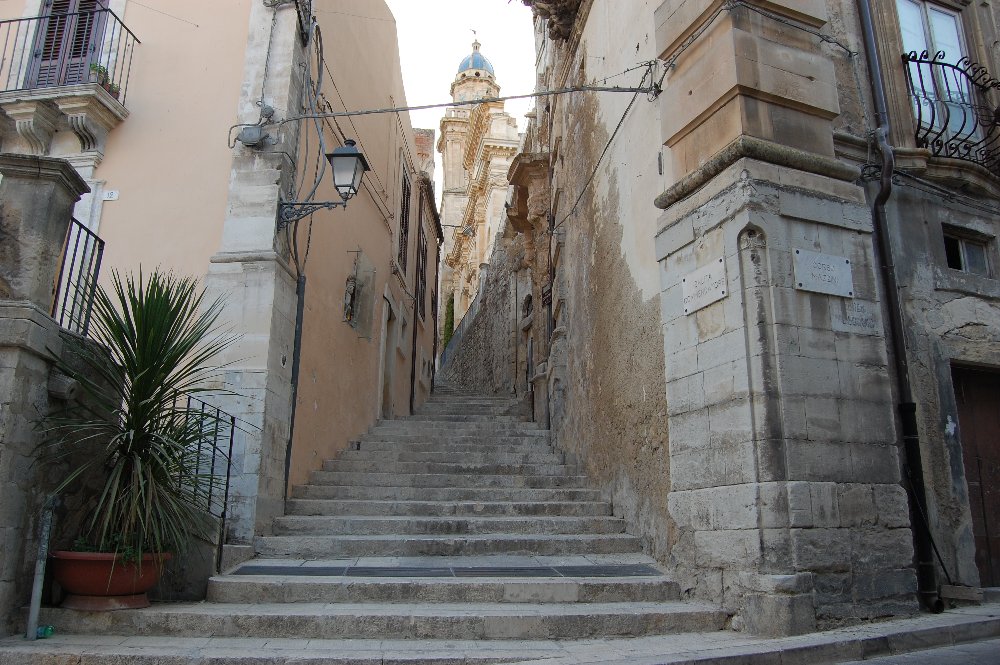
pixel 349 167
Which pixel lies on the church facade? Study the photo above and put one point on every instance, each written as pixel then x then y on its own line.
pixel 477 144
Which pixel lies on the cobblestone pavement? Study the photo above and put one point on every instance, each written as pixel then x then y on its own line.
pixel 986 652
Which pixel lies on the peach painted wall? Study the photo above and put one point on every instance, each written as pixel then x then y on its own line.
pixel 341 373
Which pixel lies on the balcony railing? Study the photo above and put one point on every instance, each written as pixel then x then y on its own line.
pixel 67 49
pixel 954 112
pixel 77 282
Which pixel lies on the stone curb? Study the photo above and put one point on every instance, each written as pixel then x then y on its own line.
pixel 721 648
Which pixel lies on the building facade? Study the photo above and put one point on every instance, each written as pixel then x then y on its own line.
pixel 192 154
pixel 476 145
pixel 768 270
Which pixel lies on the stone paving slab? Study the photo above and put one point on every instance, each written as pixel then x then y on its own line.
pixel 967 636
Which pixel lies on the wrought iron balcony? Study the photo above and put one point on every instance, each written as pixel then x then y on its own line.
pixel 955 114
pixel 90 47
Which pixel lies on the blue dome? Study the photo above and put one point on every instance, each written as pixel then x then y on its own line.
pixel 476 61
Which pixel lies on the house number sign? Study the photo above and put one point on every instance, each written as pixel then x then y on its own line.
pixel 823 273
pixel 704 286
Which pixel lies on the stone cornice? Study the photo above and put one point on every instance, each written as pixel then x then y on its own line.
pixel 43 168
pixel 761 150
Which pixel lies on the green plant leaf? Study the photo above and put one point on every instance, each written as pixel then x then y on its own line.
pixel 157 343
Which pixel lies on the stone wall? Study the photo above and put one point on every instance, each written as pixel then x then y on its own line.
pixel 480 356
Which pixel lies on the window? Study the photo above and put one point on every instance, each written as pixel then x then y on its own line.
pixel 404 217
pixel 67 42
pixel 421 271
pixel 966 251
pixel 942 95
pixel 929 27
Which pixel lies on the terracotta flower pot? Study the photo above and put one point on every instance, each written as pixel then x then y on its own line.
pixel 100 581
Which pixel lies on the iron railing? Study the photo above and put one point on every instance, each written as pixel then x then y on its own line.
pixel 67 49
pixel 210 472
pixel 77 282
pixel 954 113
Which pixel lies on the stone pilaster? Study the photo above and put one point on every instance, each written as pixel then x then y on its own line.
pixel 37 195
pixel 785 483
pixel 36 202
pixel 251 271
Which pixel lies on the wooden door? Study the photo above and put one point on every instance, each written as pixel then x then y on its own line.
pixel 67 42
pixel 977 392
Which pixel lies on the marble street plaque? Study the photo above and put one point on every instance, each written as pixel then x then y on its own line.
pixel 823 273
pixel 704 286
pixel 857 316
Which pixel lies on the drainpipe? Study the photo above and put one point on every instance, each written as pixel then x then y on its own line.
pixel 437 312
pixel 300 296
pixel 413 348
pixel 927 585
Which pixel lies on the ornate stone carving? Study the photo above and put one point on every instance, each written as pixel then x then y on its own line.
pixel 529 174
pixel 35 122
pixel 89 118
pixel 561 15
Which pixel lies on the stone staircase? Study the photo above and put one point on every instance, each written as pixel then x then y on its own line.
pixel 457 535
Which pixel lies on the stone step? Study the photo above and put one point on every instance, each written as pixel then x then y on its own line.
pixel 488 419
pixel 454 450
pixel 137 650
pixel 374 525
pixel 444 508
pixel 425 443
pixel 479 621
pixel 348 479
pixel 484 427
pixel 436 455
pixel 297 589
pixel 469 408
pixel 314 547
pixel 458 467
pixel 376 493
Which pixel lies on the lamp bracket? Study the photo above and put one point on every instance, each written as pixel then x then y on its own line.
pixel 293 211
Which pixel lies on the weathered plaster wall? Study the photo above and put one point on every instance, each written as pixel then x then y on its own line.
pixel 952 317
pixel 609 406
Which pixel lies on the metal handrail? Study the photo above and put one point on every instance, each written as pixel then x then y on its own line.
pixel 214 457
pixel 77 282
pixel 67 49
pixel 955 116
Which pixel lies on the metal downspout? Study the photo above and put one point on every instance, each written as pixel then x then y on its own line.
pixel 927 585
pixel 300 293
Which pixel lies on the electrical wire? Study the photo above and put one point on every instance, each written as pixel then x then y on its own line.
pixel 653 89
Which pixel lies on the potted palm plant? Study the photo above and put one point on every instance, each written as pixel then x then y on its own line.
pixel 131 449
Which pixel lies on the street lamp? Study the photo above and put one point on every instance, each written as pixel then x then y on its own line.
pixel 349 166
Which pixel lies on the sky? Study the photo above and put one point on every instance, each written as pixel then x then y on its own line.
pixel 434 37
